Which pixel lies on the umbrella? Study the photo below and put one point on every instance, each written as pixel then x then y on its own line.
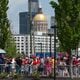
pixel 2 51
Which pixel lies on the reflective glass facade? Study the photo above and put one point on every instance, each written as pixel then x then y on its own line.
pixel 24 22
pixel 34 5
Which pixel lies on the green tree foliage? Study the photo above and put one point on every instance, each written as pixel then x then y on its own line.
pixel 4 23
pixel 6 41
pixel 67 15
pixel 10 46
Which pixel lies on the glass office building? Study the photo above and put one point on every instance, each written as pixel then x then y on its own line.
pixel 34 5
pixel 24 22
pixel 24 27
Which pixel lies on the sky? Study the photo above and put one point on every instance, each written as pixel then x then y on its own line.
pixel 16 6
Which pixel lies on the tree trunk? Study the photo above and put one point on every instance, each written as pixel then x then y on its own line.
pixel 69 62
pixel 69 55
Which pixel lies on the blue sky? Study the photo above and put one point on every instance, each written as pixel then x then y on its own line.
pixel 16 6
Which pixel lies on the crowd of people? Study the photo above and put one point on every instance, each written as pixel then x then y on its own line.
pixel 45 66
pixel 28 65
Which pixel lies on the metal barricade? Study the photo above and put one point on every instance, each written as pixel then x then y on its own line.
pixel 68 71
pixel 61 71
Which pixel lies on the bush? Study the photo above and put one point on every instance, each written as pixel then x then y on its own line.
pixel 3 75
pixel 15 76
pixel 36 75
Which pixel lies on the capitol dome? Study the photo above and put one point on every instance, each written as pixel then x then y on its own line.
pixel 40 17
pixel 40 22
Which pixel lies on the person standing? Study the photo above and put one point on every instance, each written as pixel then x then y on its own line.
pixel 18 64
pixel 13 64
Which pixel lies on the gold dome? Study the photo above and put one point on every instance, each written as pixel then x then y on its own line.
pixel 40 17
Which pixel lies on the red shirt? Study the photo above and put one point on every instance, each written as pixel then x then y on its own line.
pixel 75 62
pixel 26 61
pixel 34 62
pixel 38 61
pixel 23 61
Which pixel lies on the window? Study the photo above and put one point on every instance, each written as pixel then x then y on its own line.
pixel 22 46
pixel 22 40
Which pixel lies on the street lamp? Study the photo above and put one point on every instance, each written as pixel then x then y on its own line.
pixel 53 25
pixel 54 52
pixel 54 28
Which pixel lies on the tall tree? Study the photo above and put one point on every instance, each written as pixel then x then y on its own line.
pixel 67 15
pixel 6 41
pixel 10 46
pixel 4 23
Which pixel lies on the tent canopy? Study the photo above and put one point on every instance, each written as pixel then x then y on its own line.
pixel 2 51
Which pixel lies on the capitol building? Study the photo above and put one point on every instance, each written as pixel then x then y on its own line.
pixel 39 42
